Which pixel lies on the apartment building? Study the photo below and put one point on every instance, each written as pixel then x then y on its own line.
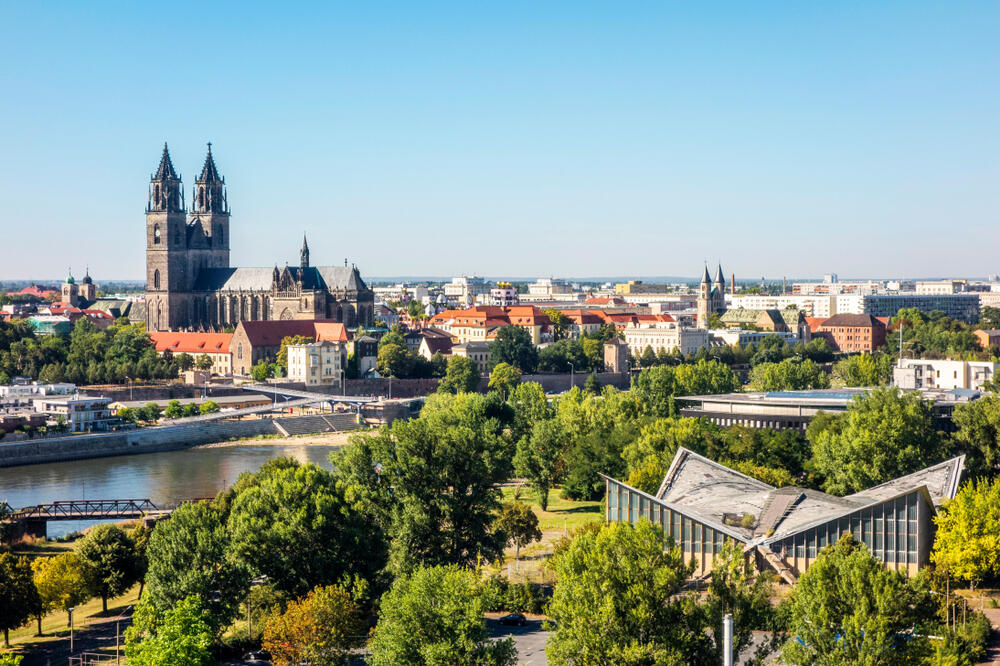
pixel 318 363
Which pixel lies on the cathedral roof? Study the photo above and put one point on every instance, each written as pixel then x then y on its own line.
pixel 166 169
pixel 719 277
pixel 706 279
pixel 208 172
pixel 334 278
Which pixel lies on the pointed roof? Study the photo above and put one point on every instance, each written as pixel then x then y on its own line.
pixel 208 172
pixel 166 168
pixel 706 279
pixel 719 277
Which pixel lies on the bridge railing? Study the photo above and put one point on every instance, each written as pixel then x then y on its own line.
pixel 76 508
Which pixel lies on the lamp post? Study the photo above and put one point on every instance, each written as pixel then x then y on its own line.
pixel 70 611
pixel 572 372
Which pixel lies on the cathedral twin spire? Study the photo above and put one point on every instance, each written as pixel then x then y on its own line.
pixel 167 193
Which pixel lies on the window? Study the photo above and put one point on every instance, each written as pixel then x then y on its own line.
pixel 156 234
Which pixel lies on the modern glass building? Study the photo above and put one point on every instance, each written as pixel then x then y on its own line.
pixel 701 504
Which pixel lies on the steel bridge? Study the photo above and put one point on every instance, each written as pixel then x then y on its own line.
pixel 33 520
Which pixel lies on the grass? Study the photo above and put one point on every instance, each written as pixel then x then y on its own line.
pixel 54 624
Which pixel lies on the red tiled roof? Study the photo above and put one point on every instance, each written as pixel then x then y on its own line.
pixel 815 322
pixel 192 343
pixel 270 333
pixel 853 321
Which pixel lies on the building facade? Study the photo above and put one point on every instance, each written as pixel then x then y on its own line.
pixel 912 373
pixel 190 284
pixel 667 336
pixel 318 363
pixel 214 345
pixel 851 333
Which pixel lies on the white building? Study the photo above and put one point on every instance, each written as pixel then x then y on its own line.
pixel 942 287
pixel 503 295
pixel 22 391
pixel 921 373
pixel 83 413
pixel 664 335
pixel 318 363
pixel 735 336
pixel 465 289
pixel 814 305
pixel 549 288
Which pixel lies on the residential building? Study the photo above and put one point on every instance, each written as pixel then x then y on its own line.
pixel 912 373
pixel 636 287
pixel 256 341
pixel 937 287
pixel 667 336
pixel 701 505
pixel 832 285
pixel 736 336
pixel 21 391
pixel 852 333
pixel 465 290
pixel 481 323
pixel 320 363
pixel 477 351
pixel 813 305
pixel 430 345
pixel 961 307
pixel 503 295
pixel 988 338
pixel 214 345
pixel 582 322
pixel 83 413
pixel 549 289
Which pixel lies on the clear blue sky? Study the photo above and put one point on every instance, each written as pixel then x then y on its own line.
pixel 514 138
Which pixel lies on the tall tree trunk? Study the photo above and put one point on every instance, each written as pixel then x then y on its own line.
pixel 6 638
pixel 142 586
pixel 39 618
pixel 104 605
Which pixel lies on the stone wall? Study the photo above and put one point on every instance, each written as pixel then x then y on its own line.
pixel 560 382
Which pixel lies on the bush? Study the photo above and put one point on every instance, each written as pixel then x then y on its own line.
pixel 524 598
pixel 495 593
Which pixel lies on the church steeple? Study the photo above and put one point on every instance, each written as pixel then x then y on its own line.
pixel 304 253
pixel 720 280
pixel 210 188
pixel 165 192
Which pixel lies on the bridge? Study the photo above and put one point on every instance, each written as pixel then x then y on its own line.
pixel 33 520
pixel 290 398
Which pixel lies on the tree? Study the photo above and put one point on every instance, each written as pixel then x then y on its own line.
pixel 788 375
pixel 184 361
pixel 209 407
pixel 592 385
pixel 462 376
pixel 189 555
pixel 513 346
pixel 656 386
pixel 319 629
pixel 18 596
pixel 149 413
pixel 61 583
pixel 261 371
pixel 504 379
pixel 204 362
pixel 978 434
pixel 282 357
pixel 967 544
pixel 530 406
pixel 560 323
pixel 739 588
pixel 519 524
pixel 431 483
pixel 392 361
pixel 849 609
pixel 619 601
pixel 173 410
pixel 290 522
pixel 539 458
pixel 864 370
pixel 178 636
pixel 989 317
pixel 648 357
pixel 435 616
pixel 880 437
pixel 109 562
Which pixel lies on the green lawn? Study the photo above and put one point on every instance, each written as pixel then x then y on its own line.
pixel 562 513
pixel 54 624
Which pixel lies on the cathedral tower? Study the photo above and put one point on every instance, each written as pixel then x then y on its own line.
pixel 704 299
pixel 167 272
pixel 210 214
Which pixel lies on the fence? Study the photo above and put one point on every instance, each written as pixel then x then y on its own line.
pixel 95 659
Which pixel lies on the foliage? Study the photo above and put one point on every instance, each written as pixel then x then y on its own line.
pixel 261 371
pixel 788 375
pixel 462 376
pixel 504 378
pixel 435 616
pixel 519 525
pixel 61 582
pixel 932 335
pixel 204 362
pixel 737 587
pixel 18 596
pixel 177 636
pixel 189 555
pixel 560 356
pixel 655 386
pixel 619 601
pixel 880 437
pixel 592 384
pixel 209 407
pixel 849 609
pixel 109 561
pixel 539 458
pixel 173 410
pixel 989 317
pixel 282 357
pixel 185 361
pixel 530 406
pixel 513 346
pixel 289 522
pixel 864 370
pixel 319 629
pixel 393 360
pixel 560 323
pixel 978 434
pixel 967 544
pixel 431 483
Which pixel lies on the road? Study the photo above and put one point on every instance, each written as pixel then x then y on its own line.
pixel 530 640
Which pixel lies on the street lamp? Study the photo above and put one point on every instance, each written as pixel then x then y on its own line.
pixel 572 371
pixel 70 611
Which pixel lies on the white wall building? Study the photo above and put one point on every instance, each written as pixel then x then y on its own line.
pixel 814 305
pixel 921 373
pixel 735 336
pixel 465 289
pixel 664 335
pixel 83 413
pixel 942 287
pixel 318 363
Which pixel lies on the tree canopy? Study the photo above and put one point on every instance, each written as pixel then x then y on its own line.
pixel 967 544
pixel 513 346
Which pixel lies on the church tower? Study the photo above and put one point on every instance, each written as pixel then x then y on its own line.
pixel 167 274
pixel 719 294
pixel 210 212
pixel 704 299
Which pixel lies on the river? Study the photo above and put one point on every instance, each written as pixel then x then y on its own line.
pixel 163 478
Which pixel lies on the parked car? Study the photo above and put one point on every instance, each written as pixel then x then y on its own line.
pixel 517 619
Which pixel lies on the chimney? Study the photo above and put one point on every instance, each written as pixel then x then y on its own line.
pixel 732 284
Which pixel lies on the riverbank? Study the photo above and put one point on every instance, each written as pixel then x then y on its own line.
pixel 340 438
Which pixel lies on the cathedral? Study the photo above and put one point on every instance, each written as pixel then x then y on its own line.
pixel 190 285
pixel 711 297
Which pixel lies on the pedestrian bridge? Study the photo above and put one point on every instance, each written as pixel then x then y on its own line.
pixel 33 520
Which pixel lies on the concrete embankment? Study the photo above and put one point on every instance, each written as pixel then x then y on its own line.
pixel 149 440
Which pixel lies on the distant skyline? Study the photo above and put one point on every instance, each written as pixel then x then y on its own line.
pixel 560 139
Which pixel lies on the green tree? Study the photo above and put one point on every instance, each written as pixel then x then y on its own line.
pixel 109 561
pixel 261 371
pixel 289 522
pixel 513 346
pixel 880 437
pixel 989 317
pixel 435 616
pixel 151 412
pixel 656 386
pixel 504 379
pixel 178 636
pixel 739 588
pixel 462 376
pixel 539 458
pixel 592 385
pixel 967 544
pixel 530 406
pixel 849 609
pixel 648 358
pixel 393 337
pixel 18 596
pixel 978 434
pixel 173 410
pixel 864 370
pixel 560 323
pixel 190 409
pixel 209 407
pixel 392 361
pixel 619 601
pixel 184 361
pixel 519 524
pixel 320 629
pixel 282 357
pixel 431 483
pixel 61 583
pixel 204 362
pixel 190 555
pixel 788 375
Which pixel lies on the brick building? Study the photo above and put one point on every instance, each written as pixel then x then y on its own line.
pixel 853 332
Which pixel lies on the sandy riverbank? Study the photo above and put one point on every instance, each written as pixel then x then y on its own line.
pixel 320 439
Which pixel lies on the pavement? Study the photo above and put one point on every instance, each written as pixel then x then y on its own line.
pixel 530 640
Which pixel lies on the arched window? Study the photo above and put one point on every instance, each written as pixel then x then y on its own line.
pixel 156 234
pixel 239 351
pixel 156 279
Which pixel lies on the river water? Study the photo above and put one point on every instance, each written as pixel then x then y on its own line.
pixel 163 478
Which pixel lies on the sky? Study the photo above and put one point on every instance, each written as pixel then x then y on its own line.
pixel 512 139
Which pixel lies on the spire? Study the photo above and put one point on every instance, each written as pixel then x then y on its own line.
pixel 706 279
pixel 721 279
pixel 209 174
pixel 166 168
pixel 304 253
pixel 86 278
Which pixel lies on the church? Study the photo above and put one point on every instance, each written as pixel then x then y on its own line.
pixel 190 285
